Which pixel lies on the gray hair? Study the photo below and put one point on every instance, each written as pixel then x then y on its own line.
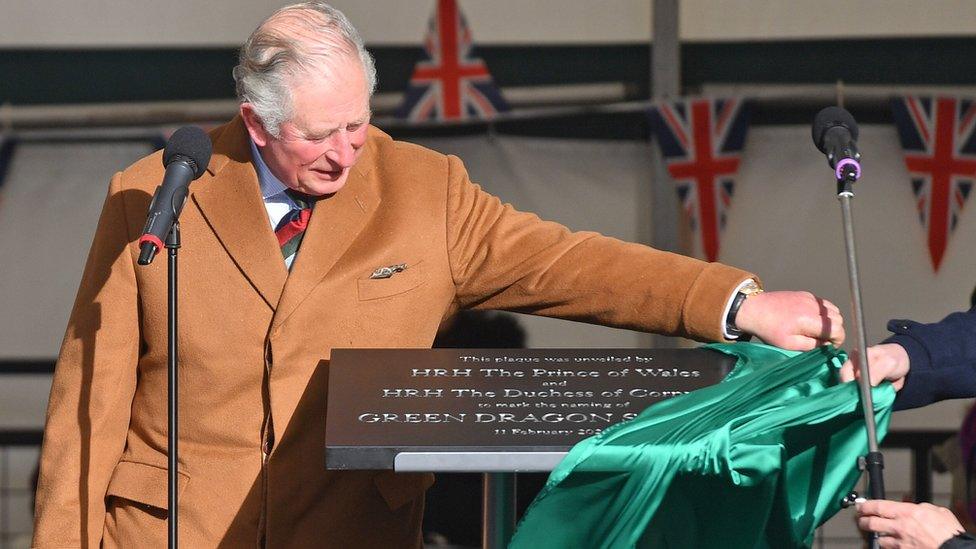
pixel 318 35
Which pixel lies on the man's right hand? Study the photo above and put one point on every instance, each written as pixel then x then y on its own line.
pixel 798 321
pixel 888 361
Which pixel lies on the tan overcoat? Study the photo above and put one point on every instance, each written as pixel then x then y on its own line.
pixel 252 399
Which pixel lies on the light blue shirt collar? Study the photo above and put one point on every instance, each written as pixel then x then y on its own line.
pixel 272 189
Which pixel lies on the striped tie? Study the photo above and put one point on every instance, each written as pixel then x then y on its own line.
pixel 291 228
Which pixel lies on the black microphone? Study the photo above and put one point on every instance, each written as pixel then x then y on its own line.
pixel 186 157
pixel 835 134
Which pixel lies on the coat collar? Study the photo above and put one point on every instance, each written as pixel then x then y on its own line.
pixel 232 205
pixel 336 222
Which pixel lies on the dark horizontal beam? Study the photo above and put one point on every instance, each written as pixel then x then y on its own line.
pixel 917 439
pixel 27 366
pixel 57 76
pixel 21 437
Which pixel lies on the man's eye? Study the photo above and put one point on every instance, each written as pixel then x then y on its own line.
pixel 354 127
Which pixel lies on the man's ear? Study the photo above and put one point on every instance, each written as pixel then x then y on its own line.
pixel 255 127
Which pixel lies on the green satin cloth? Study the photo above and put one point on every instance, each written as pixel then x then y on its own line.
pixel 759 460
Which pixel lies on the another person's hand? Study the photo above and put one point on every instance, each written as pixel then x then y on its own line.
pixel 915 525
pixel 886 361
pixel 792 320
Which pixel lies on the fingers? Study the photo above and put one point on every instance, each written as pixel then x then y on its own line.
pixel 832 323
pixel 831 308
pixel 881 525
pixel 887 542
pixel 800 343
pixel 879 371
pixel 822 328
pixel 838 334
pixel 887 361
pixel 881 508
pixel 821 320
pixel 880 516
pixel 847 372
pixel 907 524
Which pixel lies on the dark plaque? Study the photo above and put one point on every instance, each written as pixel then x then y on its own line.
pixel 384 402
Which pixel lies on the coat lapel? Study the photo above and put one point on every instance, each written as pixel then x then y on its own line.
pixel 231 203
pixel 336 222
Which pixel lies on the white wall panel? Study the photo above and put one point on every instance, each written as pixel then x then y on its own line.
pixel 189 23
pixel 48 212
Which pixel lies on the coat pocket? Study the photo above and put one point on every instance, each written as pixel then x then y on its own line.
pixel 412 277
pixel 143 483
pixel 399 489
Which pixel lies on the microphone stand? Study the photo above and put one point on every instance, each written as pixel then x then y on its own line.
pixel 187 152
pixel 847 172
pixel 173 245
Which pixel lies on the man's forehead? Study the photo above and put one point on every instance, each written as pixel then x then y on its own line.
pixel 320 120
pixel 330 101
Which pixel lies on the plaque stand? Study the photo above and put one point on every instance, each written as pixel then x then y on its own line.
pixel 497 412
pixel 498 510
pixel 498 497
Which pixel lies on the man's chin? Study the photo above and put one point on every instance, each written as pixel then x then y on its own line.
pixel 324 185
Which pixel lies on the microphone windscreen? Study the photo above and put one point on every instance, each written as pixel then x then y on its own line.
pixel 828 118
pixel 191 143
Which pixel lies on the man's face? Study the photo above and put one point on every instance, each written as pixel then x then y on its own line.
pixel 326 134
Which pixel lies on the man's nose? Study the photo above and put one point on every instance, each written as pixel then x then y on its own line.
pixel 341 151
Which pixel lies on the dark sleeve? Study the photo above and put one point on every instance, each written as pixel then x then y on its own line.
pixel 942 357
pixel 962 541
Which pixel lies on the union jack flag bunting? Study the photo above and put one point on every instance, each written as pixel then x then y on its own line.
pixel 937 135
pixel 701 140
pixel 450 83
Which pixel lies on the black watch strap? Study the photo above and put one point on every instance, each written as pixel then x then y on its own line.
pixel 960 541
pixel 730 326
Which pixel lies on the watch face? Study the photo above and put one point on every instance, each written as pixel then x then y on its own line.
pixel 750 288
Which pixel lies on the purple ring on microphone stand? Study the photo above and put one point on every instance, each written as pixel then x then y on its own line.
pixel 845 162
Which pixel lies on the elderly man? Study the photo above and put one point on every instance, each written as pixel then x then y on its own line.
pixel 377 242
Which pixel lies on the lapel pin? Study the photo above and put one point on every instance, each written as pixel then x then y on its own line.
pixel 387 272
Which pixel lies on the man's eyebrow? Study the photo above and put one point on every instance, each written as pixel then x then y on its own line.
pixel 308 133
pixel 320 132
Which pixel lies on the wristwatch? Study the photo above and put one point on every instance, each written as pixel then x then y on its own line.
pixel 749 289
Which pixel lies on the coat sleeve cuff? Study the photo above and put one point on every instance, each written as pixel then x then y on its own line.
pixel 706 304
pixel 919 383
pixel 939 368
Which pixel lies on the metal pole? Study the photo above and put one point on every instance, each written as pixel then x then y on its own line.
pixel 498 510
pixel 666 50
pixel 873 462
pixel 665 82
pixel 860 357
pixel 173 245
